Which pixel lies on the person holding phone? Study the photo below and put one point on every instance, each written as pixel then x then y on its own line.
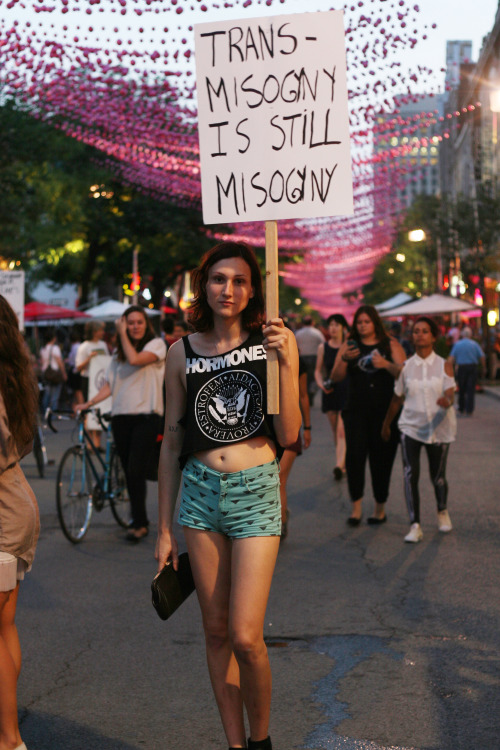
pixel 220 440
pixel 370 360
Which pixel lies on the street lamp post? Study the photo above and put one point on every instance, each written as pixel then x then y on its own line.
pixel 418 235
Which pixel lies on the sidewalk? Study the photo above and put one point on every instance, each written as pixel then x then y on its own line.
pixel 492 388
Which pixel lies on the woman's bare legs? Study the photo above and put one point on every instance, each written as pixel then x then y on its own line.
pixel 233 580
pixel 337 425
pixel 252 571
pixel 210 556
pixel 10 666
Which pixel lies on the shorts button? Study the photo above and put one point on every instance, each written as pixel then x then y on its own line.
pixel 223 476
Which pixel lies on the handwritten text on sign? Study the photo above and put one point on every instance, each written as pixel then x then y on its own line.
pixel 273 118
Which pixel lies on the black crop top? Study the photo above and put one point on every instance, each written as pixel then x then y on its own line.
pixel 226 397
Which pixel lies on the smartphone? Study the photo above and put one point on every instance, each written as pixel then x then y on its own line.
pixel 353 344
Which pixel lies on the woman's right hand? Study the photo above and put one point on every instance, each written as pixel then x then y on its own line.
pixel 348 352
pixel 386 432
pixel 166 549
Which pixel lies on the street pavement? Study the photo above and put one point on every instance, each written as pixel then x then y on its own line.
pixel 374 644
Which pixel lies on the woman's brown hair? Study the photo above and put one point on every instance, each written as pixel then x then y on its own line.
pixel 200 313
pixel 380 332
pixel 17 378
pixel 433 326
pixel 138 345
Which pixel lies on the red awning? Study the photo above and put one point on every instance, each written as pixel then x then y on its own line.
pixel 41 311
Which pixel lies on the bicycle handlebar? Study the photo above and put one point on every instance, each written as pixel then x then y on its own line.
pixel 65 414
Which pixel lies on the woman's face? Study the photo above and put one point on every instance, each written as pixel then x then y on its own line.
pixel 99 334
pixel 422 335
pixel 136 326
pixel 335 330
pixel 229 287
pixel 365 326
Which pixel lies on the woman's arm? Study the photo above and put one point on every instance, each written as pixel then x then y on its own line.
pixel 448 398
pixel 138 359
pixel 60 365
pixel 82 365
pixel 398 355
pixel 169 473
pixel 393 409
pixel 305 409
pixel 345 354
pixel 103 393
pixel 318 371
pixel 287 422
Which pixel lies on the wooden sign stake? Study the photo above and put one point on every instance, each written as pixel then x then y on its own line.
pixel 272 311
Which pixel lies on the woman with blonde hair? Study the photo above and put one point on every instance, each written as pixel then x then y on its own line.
pixel 19 520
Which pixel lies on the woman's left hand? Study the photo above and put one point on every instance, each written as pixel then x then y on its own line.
pixel 276 337
pixel 378 361
pixel 444 402
pixel 121 325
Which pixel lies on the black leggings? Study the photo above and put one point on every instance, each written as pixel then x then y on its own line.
pixel 135 440
pixel 437 453
pixel 364 441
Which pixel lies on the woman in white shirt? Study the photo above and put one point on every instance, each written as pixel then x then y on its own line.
pixel 135 382
pixel 51 359
pixel 426 388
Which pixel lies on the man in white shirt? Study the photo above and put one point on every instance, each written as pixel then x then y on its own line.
pixel 308 339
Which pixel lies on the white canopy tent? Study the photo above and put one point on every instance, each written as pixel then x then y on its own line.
pixel 399 299
pixel 434 304
pixel 110 310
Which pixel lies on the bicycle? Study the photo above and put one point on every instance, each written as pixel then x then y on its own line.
pixel 82 488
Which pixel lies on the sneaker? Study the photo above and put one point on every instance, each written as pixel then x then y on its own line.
pixel 415 534
pixel 444 522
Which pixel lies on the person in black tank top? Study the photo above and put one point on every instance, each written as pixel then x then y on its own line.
pixel 219 434
pixel 334 395
pixel 370 360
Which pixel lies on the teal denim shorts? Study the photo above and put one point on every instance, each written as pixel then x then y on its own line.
pixel 238 504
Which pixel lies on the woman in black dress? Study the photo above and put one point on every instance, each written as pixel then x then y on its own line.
pixel 334 396
pixel 370 361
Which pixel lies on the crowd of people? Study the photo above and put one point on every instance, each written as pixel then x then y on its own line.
pixel 221 448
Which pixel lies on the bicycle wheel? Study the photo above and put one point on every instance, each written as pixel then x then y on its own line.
pixel 119 499
pixel 39 451
pixel 74 495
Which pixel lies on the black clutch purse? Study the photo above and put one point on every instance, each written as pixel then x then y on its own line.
pixel 171 587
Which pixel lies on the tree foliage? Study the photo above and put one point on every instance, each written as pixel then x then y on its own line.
pixel 66 218
pixel 465 229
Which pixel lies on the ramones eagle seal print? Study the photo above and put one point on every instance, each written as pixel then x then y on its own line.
pixel 229 406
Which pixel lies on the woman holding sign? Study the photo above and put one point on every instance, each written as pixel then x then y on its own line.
pixel 219 435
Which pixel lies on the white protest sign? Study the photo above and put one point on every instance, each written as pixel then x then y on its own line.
pixel 12 288
pixel 98 367
pixel 273 118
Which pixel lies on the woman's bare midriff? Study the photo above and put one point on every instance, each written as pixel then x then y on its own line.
pixel 239 456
